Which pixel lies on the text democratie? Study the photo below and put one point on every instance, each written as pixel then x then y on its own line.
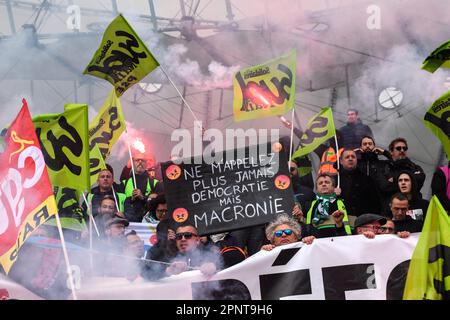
pixel 249 178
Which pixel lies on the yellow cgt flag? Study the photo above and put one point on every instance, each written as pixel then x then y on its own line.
pixel 318 130
pixel 265 90
pixel 122 58
pixel 104 131
pixel 429 270
pixel 64 141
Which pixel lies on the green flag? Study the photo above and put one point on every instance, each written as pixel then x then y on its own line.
pixel 318 130
pixel 440 57
pixel 436 119
pixel 429 271
pixel 64 142
pixel 122 58
pixel 265 90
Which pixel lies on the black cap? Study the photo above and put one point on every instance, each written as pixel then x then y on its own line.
pixel 369 218
pixel 117 220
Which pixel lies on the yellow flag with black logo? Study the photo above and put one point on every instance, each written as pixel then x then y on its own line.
pixel 104 131
pixel 97 163
pixel 122 58
pixel 439 58
pixel 429 271
pixel 436 119
pixel 318 130
pixel 65 144
pixel 265 90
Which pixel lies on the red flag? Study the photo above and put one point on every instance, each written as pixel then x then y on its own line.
pixel 26 197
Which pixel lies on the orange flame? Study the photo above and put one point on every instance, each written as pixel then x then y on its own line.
pixel 259 97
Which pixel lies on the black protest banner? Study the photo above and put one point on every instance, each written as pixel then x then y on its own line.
pixel 247 187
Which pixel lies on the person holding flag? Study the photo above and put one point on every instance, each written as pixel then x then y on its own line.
pixel 139 188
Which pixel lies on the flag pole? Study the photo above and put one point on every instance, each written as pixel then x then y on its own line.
pixel 337 160
pixel 66 257
pixel 89 208
pixel 132 165
pixel 179 93
pixel 115 198
pixel 91 259
pixel 291 143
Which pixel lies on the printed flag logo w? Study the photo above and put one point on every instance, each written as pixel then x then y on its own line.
pixel 437 120
pixel 265 90
pixel 318 130
pixel 429 270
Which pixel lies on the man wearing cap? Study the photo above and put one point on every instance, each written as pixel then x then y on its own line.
pixel 110 248
pixel 369 225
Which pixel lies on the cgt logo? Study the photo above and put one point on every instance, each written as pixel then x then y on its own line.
pixel 439 269
pixel 4 294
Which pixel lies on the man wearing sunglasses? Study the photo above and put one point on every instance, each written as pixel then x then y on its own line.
pixel 192 254
pixel 400 162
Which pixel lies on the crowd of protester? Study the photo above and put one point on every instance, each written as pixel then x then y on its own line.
pixel 375 192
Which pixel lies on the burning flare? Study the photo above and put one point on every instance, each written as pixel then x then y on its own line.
pixel 139 145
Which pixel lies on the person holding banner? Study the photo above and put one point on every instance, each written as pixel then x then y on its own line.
pixel 283 230
pixel 193 254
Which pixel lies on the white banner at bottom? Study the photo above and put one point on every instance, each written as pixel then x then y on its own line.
pixel 351 268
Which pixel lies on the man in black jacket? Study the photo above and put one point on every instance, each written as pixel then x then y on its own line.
pixel 354 130
pixel 357 190
pixel 138 195
pixel 403 222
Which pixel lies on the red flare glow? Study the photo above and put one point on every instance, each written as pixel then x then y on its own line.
pixel 258 97
pixel 139 145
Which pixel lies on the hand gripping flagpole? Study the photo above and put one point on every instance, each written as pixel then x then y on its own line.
pixel 131 160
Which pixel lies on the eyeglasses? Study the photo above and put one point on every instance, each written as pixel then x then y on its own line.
pixel 386 229
pixel 400 209
pixel 279 233
pixel 186 235
pixel 371 227
pixel 401 148
pixel 293 169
